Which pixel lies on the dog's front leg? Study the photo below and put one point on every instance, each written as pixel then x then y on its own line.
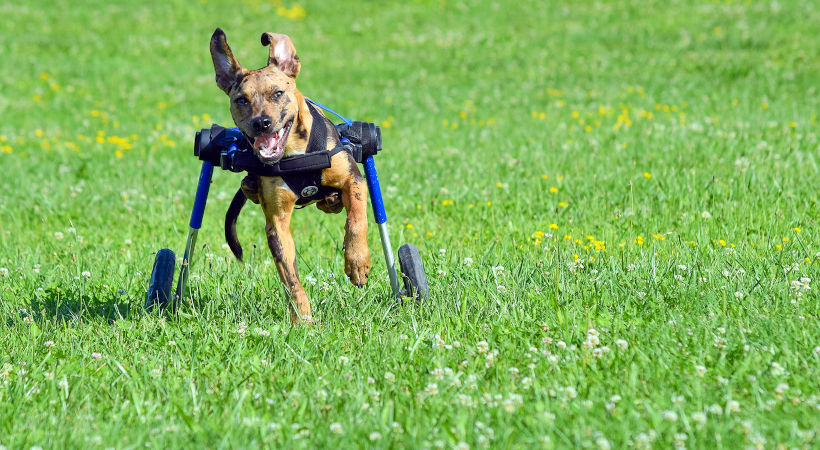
pixel 277 203
pixel 345 176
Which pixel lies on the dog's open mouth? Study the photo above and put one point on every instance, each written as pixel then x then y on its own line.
pixel 271 147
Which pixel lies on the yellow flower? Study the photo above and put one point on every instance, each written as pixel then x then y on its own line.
pixel 797 229
pixel 639 240
pixel 785 239
pixel 553 190
pixel 647 175
pixel 409 226
pixel 659 236
pixel 722 243
pixel 553 226
pixel 447 202
pixel 563 204
pixel 295 12
pixel 38 132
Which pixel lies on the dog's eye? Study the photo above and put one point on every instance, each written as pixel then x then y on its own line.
pixel 242 101
pixel 277 94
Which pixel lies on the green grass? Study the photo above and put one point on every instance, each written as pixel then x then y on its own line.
pixel 646 169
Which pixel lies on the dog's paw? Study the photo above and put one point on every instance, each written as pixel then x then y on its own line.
pixel 357 264
pixel 332 203
pixel 250 187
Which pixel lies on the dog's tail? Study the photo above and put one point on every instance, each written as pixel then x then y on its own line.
pixel 230 223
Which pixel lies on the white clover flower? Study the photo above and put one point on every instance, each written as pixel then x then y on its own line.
pixel 343 360
pixel 389 377
pixel 468 261
pixel 501 288
pixel 570 392
pixel 375 436
pixel 739 294
pixel 86 274
pixel 58 235
pixel 622 344
pixel 682 267
pixel 48 344
pixel 602 443
pixel 96 355
pixel 701 370
pixel 777 370
pixel 63 384
pixel 781 388
pixel 482 347
pixel 699 417
pixel 669 415
pixel 431 389
pixel 336 428
pixel 733 406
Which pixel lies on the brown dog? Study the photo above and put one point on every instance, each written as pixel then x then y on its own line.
pixel 274 116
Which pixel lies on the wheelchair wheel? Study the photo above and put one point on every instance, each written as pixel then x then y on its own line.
pixel 412 272
pixel 162 276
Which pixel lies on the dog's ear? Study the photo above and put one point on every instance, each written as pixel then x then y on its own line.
pixel 282 53
pixel 225 64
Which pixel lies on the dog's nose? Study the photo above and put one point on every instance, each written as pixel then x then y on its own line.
pixel 261 124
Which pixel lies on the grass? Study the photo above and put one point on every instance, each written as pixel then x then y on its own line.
pixel 616 203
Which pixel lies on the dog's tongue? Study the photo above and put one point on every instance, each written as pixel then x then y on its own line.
pixel 265 143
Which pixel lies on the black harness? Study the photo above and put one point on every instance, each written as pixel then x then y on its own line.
pixel 307 182
pixel 302 173
pixel 230 149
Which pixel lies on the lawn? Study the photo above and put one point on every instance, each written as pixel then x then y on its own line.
pixel 616 204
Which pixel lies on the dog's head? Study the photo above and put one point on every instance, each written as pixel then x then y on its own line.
pixel 264 102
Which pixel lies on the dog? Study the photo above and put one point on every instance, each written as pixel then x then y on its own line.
pixel 275 118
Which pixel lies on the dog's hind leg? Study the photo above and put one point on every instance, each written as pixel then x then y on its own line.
pixel 278 202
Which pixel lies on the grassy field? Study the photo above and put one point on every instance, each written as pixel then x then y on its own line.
pixel 616 203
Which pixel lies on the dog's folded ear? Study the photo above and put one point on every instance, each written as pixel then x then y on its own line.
pixel 282 53
pixel 225 64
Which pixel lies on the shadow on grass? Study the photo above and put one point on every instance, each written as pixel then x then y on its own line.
pixel 72 305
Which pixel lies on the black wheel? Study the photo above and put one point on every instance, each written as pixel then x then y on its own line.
pixel 412 272
pixel 162 276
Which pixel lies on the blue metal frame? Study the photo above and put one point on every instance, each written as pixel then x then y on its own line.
pixel 377 203
pixel 197 213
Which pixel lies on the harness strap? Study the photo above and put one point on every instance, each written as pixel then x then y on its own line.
pixel 317 141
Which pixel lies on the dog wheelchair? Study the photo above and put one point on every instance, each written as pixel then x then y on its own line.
pixel 227 149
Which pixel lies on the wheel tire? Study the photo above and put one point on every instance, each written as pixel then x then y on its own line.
pixel 162 276
pixel 412 272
